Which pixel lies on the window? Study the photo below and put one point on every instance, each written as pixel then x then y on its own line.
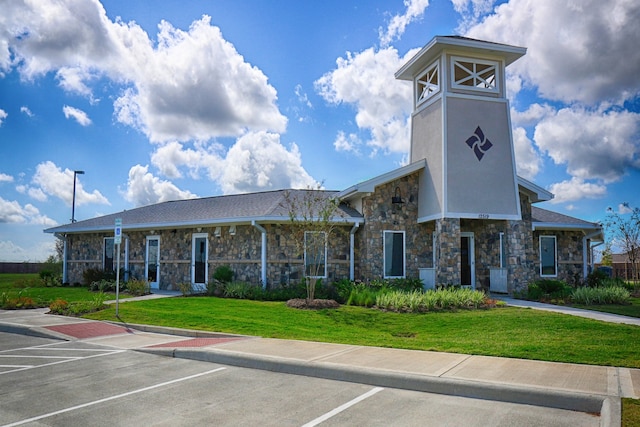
pixel 109 253
pixel 548 256
pixel 393 254
pixel 427 83
pixel 474 74
pixel 503 251
pixel 315 254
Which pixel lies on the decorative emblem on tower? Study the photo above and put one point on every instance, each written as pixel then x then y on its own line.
pixel 479 144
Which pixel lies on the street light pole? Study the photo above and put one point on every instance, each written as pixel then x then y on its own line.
pixel 73 202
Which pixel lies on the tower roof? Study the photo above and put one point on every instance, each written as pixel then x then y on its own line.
pixel 461 44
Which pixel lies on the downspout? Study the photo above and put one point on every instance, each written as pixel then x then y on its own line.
pixel 263 273
pixel 63 237
pixel 352 250
pixel 584 251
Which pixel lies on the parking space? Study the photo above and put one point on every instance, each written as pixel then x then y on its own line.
pixel 84 383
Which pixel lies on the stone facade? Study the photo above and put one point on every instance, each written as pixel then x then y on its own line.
pixel 241 251
pixel 382 215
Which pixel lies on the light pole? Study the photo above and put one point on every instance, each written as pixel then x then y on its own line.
pixel 73 202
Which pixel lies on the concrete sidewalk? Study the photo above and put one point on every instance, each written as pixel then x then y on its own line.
pixel 583 388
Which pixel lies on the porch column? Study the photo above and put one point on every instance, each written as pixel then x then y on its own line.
pixel 447 247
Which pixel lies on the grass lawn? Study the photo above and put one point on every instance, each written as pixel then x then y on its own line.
pixel 505 332
pixel 29 285
pixel 631 310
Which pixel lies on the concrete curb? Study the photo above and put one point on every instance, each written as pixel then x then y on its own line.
pixel 192 333
pixel 33 331
pixel 606 406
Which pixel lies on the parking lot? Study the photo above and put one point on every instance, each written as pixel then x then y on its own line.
pixel 60 383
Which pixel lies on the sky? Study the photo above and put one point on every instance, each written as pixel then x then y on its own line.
pixel 160 100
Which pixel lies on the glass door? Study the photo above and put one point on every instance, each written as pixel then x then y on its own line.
pixel 467 260
pixel 152 262
pixel 199 265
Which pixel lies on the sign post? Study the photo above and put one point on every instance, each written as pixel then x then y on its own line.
pixel 117 239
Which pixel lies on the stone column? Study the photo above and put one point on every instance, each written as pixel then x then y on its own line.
pixel 447 232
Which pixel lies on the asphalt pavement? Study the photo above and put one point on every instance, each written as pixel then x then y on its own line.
pixel 575 387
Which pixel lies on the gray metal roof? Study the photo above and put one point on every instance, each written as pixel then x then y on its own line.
pixel 269 206
pixel 544 219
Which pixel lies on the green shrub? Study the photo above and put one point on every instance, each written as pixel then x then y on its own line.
pixel 364 295
pixel 137 287
pixel 50 278
pixel 78 308
pixel 59 306
pixel 240 290
pixel 601 295
pixel 548 289
pixel 103 285
pixel 223 274
pixel 185 288
pixel 91 275
pixel 442 299
pixel 596 278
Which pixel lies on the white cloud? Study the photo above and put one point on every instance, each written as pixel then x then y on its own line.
pixel 169 158
pixel 72 79
pixel 145 189
pixel 11 252
pixel 593 145
pixel 12 212
pixel 258 162
pixel 50 180
pixel 624 208
pixel 349 143
pixel 5 178
pixel 582 51
pixel 190 85
pixel 398 23
pixel 195 85
pixel 528 161
pixel 471 11
pixel 532 115
pixel 76 114
pixel 25 110
pixel 576 189
pixel 3 115
pixel 366 81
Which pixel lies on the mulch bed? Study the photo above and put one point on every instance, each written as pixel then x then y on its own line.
pixel 315 304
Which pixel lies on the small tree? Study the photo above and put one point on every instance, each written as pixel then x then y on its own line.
pixel 624 229
pixel 311 214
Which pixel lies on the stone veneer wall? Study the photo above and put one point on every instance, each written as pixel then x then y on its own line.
pixel 447 231
pixel 242 252
pixel 569 254
pixel 383 215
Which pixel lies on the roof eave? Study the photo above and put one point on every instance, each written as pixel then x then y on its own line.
pixel 369 186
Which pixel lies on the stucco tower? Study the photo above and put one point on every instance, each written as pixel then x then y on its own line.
pixel 461 126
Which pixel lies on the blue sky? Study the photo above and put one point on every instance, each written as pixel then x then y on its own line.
pixel 160 100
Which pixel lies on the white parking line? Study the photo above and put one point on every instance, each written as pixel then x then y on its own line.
pixel 107 399
pixel 341 408
pixel 65 360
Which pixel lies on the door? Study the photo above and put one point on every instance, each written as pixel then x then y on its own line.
pixel 152 262
pixel 467 260
pixel 199 256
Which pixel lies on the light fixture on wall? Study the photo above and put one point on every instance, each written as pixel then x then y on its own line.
pixel 218 232
pixel 232 230
pixel 396 199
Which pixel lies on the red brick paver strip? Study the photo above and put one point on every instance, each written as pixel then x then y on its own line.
pixel 196 342
pixel 88 329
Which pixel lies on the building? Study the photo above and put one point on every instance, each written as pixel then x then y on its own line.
pixel 456 214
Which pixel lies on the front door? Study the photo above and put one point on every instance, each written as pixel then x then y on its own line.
pixel 467 260
pixel 152 262
pixel 199 255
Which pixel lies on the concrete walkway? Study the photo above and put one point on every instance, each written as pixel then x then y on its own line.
pixel 583 388
pixel 589 314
